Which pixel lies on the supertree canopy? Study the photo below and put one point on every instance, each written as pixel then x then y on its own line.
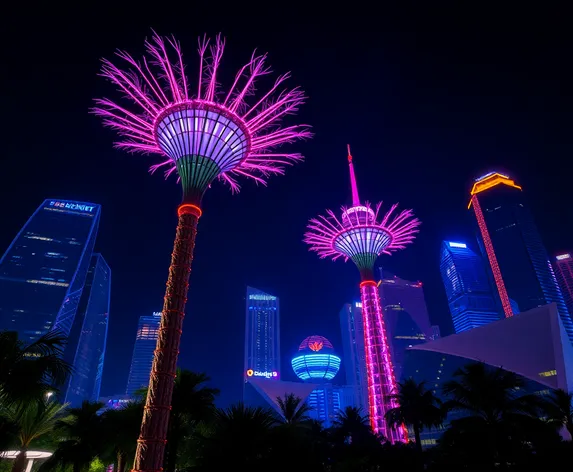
pixel 316 360
pixel 362 234
pixel 201 132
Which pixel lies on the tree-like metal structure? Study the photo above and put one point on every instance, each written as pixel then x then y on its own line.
pixel 361 235
pixel 203 133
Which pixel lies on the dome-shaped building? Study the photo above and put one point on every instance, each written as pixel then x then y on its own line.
pixel 316 360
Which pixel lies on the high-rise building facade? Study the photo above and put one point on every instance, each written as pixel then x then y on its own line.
pixel 43 271
pixel 262 334
pixel 468 290
pixel 564 272
pixel 92 318
pixel 405 314
pixel 512 245
pixel 145 343
pixel 354 355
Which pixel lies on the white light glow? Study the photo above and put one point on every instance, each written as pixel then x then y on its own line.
pixel 460 245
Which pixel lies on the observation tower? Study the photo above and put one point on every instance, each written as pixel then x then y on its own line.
pixel 362 234
pixel 201 133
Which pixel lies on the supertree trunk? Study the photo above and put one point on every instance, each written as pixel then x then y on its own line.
pixel 153 436
pixel 380 372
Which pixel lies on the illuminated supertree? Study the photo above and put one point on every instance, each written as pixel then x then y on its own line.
pixel 202 133
pixel 361 235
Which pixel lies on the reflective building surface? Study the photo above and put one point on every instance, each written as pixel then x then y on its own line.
pixel 352 330
pixel 262 340
pixel 92 318
pixel 43 271
pixel 468 290
pixel 405 314
pixel 564 272
pixel 145 342
pixel 512 245
pixel 533 345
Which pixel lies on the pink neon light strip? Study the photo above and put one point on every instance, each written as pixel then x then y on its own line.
pixel 355 198
pixel 492 258
pixel 380 372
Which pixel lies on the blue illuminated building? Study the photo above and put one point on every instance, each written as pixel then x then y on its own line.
pixel 262 343
pixel 145 343
pixel 468 290
pixel 523 261
pixel 352 330
pixel 91 336
pixel 316 362
pixel 43 271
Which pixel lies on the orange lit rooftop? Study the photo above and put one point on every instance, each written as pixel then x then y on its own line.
pixel 491 180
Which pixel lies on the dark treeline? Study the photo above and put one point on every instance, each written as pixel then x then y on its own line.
pixel 497 426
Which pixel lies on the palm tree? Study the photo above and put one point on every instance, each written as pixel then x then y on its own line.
pixel 27 373
pixel 293 410
pixel 352 423
pixel 239 439
pixel 192 402
pixel 32 421
pixel 121 430
pixel 83 438
pixel 559 409
pixel 493 413
pixel 418 408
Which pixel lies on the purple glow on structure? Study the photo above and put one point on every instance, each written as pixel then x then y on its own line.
pixel 361 235
pixel 235 129
pixel 380 372
pixel 330 236
pixel 353 184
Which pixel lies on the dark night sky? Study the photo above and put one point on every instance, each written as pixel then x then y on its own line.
pixel 428 99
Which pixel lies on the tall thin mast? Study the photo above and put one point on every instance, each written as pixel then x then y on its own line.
pixel 355 198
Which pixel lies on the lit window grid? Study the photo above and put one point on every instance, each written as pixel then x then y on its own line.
pixel 316 366
pixel 199 132
pixel 492 258
pixel 380 371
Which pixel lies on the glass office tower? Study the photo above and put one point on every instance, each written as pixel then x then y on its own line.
pixel 512 245
pixel 145 343
pixel 352 330
pixel 92 318
pixel 43 271
pixel 564 272
pixel 469 294
pixel 405 314
pixel 262 341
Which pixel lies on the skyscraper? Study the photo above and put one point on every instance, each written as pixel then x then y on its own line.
pixel 509 239
pixel 564 273
pixel 43 271
pixel 92 316
pixel 352 330
pixel 470 297
pixel 262 332
pixel 406 315
pixel 145 343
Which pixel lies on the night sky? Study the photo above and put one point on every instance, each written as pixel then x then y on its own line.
pixel 428 100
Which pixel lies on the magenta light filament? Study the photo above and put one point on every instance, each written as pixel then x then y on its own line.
pixel 381 380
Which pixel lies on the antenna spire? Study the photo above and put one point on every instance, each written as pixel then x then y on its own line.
pixel 355 198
